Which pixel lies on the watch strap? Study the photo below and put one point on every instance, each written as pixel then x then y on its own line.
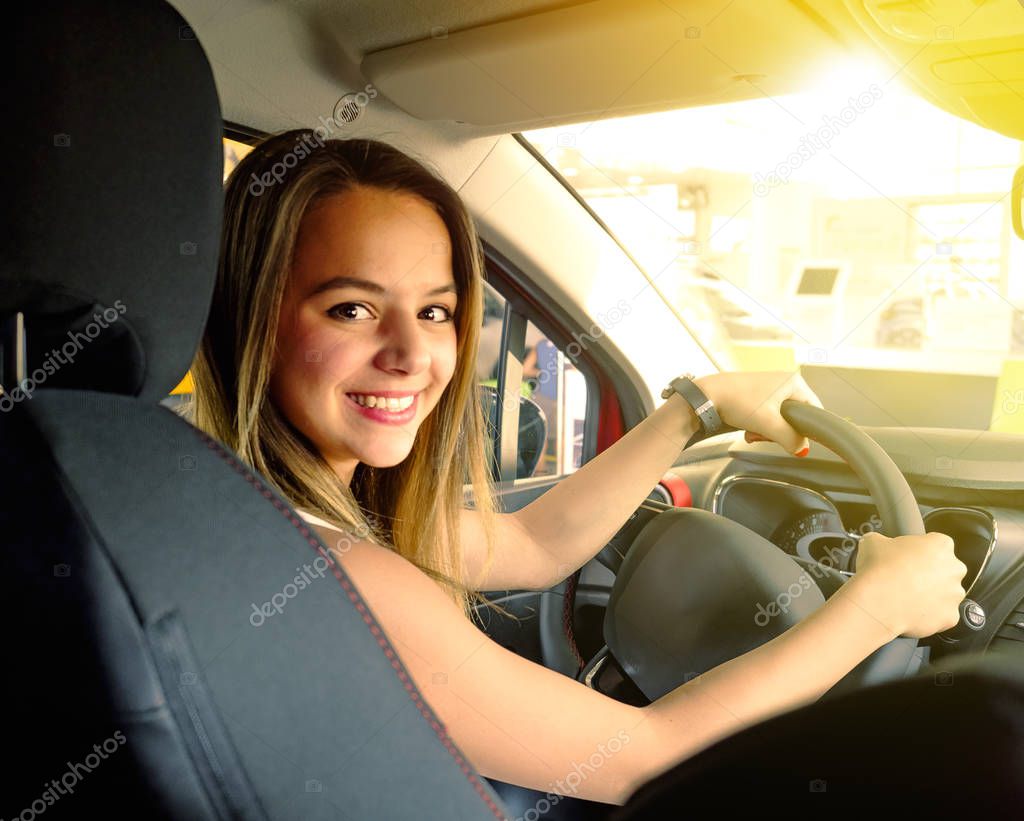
pixel 710 422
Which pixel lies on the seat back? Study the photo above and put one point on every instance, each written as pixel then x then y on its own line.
pixel 183 645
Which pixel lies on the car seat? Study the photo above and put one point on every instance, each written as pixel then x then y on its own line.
pixel 180 645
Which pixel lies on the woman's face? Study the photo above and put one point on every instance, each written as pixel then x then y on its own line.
pixel 390 335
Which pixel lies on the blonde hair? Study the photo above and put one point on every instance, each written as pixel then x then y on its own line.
pixel 413 507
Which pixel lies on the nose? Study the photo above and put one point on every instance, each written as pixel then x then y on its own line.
pixel 404 346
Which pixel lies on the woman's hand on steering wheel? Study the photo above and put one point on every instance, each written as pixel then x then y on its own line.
pixel 750 401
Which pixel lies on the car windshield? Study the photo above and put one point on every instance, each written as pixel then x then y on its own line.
pixel 853 226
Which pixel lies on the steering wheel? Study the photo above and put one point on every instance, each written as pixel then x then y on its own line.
pixel 696 589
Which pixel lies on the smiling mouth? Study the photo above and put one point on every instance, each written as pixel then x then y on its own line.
pixel 383 415
pixel 389 404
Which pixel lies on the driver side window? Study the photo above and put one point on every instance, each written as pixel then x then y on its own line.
pixel 552 396
pixel 553 383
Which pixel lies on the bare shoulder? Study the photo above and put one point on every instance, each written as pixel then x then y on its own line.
pixel 401 596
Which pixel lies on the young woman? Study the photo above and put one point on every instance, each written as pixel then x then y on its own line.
pixel 339 361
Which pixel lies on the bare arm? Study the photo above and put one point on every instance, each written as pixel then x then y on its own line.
pixel 568 524
pixel 521 723
pixel 539 545
pixel 516 564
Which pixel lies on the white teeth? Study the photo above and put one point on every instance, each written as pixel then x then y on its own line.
pixel 392 404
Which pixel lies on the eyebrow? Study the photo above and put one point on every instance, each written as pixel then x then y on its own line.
pixel 372 287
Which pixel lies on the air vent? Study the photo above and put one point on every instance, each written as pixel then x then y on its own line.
pixel 348 109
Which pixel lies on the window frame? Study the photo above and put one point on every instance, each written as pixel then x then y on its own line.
pixel 523 304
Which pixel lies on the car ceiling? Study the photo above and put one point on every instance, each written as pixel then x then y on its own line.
pixel 495 66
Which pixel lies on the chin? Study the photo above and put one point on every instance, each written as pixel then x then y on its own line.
pixel 384 458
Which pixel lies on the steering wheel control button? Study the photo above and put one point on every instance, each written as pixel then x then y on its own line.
pixel 972 614
pixel 972 619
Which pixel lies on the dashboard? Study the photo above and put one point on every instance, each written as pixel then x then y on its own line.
pixel 825 526
pixel 811 525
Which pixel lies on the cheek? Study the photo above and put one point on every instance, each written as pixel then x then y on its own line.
pixel 447 356
pixel 305 348
pixel 299 363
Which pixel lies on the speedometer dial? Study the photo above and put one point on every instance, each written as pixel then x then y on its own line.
pixel 818 536
pixel 790 533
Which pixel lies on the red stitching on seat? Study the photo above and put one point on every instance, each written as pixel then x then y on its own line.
pixel 371 622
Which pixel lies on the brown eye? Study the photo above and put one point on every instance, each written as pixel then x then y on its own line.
pixel 449 315
pixel 343 309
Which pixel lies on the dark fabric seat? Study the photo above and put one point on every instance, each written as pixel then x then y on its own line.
pixel 179 646
pixel 947 744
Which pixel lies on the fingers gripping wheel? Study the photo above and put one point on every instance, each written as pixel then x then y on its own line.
pixel 893 497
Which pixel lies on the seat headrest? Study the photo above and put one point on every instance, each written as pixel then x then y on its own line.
pixel 114 208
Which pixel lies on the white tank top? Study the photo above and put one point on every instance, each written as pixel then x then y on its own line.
pixel 312 518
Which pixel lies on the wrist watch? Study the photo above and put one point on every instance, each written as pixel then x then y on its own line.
pixel 710 422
